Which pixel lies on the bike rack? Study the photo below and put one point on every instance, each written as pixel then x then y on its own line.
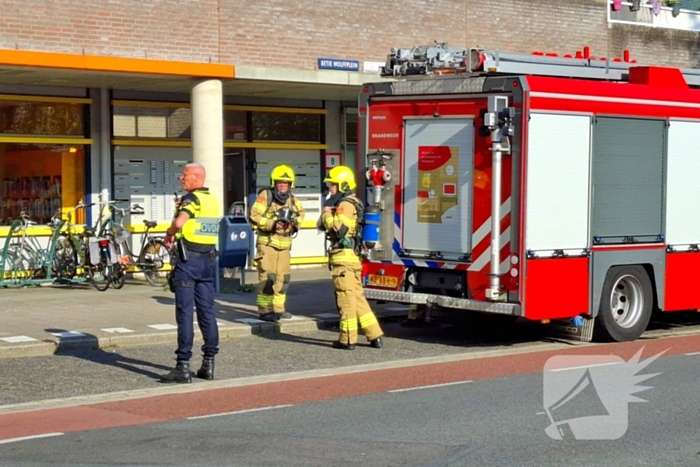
pixel 9 277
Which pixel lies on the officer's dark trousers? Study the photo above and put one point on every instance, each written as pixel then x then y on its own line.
pixel 194 285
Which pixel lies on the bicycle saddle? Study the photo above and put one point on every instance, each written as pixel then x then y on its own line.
pixel 150 224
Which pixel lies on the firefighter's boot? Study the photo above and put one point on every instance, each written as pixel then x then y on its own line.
pixel 180 374
pixel 376 343
pixel 206 371
pixel 340 345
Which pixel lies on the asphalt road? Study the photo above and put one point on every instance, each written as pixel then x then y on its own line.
pixel 83 372
pixel 77 373
pixel 497 418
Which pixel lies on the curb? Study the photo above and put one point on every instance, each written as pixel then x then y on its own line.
pixel 106 342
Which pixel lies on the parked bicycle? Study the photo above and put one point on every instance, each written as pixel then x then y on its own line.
pixel 25 261
pixel 93 253
pixel 153 254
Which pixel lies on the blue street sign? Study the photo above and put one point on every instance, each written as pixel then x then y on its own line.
pixel 338 64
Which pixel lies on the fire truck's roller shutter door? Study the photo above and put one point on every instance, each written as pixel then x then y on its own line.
pixel 628 179
pixel 558 180
pixel 438 162
pixel 683 192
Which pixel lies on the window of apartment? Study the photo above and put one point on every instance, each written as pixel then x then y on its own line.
pixel 235 125
pixel 41 118
pixel 286 127
pixel 147 120
pixel 670 14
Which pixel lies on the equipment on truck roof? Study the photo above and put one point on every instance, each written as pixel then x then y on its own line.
pixel 439 59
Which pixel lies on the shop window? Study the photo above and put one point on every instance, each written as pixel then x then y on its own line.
pixel 41 118
pixel 39 179
pixel 152 122
pixel 235 125
pixel 286 127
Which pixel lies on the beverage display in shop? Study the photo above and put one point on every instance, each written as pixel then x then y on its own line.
pixel 39 197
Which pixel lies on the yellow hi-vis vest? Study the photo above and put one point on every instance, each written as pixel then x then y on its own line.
pixel 202 227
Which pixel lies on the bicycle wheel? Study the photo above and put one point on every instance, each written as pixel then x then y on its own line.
pixel 118 276
pixel 152 258
pixel 118 269
pixel 65 261
pixel 20 265
pixel 100 275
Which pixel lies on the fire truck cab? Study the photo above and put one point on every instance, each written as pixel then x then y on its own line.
pixel 556 189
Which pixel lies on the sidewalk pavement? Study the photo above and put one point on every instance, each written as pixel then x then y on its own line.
pixel 37 321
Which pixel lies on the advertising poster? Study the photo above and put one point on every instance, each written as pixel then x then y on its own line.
pixel 437 182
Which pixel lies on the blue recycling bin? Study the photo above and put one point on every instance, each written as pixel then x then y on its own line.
pixel 234 241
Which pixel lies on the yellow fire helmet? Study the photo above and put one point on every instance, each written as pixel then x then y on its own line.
pixel 282 173
pixel 343 176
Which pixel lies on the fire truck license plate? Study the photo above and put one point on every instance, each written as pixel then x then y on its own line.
pixel 383 281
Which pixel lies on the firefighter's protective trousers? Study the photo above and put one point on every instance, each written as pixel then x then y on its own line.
pixel 354 310
pixel 194 287
pixel 346 271
pixel 273 278
pixel 273 245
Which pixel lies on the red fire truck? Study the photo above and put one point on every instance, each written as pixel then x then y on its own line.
pixel 560 189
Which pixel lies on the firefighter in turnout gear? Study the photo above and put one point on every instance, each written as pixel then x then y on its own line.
pixel 340 219
pixel 275 216
pixel 196 227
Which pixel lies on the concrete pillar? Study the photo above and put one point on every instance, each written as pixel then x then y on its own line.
pixel 208 133
pixel 105 144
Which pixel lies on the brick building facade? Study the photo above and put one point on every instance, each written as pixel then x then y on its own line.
pixel 100 57
pixel 285 34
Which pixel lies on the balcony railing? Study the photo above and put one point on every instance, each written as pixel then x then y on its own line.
pixel 687 20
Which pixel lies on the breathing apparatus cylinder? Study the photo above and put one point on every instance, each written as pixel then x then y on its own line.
pixel 370 230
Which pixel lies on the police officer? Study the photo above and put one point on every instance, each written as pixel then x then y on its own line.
pixel 275 216
pixel 339 219
pixel 196 226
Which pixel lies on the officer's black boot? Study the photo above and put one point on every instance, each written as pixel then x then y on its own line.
pixel 206 371
pixel 179 374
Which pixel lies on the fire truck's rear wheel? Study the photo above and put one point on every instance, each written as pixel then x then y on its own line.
pixel 625 304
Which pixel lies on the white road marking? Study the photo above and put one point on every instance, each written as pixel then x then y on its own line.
pixel 117 330
pixel 430 387
pixel 218 323
pixel 327 315
pixel 162 327
pixel 24 438
pixel 239 411
pixel 693 353
pixel 249 321
pixel 15 339
pixel 68 334
pixel 585 366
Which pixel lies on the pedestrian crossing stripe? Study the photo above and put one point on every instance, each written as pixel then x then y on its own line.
pixel 16 339
pixel 117 330
pixel 162 327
